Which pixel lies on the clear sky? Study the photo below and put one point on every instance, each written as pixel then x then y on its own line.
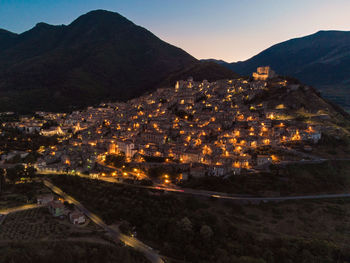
pixel 231 30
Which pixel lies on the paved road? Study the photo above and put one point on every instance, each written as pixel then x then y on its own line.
pixel 221 195
pixel 152 255
pixel 140 174
pixel 5 212
pixel 213 194
pixel 19 208
pixel 226 196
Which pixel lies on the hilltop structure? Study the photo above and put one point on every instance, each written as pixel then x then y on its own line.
pixel 264 73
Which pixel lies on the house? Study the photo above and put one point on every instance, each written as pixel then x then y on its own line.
pixel 315 137
pixel 44 199
pixel 191 156
pixel 197 171
pixel 217 170
pixel 52 131
pixel 263 159
pixel 127 147
pixel 56 208
pixel 77 217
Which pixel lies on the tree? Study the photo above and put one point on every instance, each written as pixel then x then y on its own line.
pixel 115 160
pixel 15 173
pixel 125 227
pixel 2 179
pixel 246 259
pixel 68 205
pixel 185 224
pixel 30 172
pixel 206 232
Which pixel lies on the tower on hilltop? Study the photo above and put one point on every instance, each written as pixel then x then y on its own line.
pixel 264 73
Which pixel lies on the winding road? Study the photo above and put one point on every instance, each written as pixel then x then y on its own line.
pixel 218 195
pixel 149 253
pixel 226 196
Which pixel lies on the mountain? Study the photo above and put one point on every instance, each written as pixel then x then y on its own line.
pixel 217 61
pixel 99 56
pixel 321 60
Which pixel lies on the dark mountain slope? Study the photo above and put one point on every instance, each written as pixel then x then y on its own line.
pixel 321 60
pixel 6 38
pixel 210 71
pixel 99 56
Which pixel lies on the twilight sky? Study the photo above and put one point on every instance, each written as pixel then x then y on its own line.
pixel 231 30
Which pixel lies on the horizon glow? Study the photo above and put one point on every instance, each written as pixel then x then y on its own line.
pixel 230 30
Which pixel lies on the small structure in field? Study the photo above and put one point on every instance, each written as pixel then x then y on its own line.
pixel 77 217
pixel 44 199
pixel 56 208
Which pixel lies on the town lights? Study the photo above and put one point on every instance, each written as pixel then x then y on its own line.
pixel 310 130
pixel 271 116
pixel 296 136
pixel 266 141
pixel 274 158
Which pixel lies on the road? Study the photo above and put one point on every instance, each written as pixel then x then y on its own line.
pixel 5 212
pixel 139 174
pixel 212 194
pixel 19 208
pixel 226 196
pixel 149 253
pixel 220 195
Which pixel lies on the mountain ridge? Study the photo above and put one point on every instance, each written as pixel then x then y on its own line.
pixel 100 55
pixel 321 59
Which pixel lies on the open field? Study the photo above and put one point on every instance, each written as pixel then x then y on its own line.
pixel 38 224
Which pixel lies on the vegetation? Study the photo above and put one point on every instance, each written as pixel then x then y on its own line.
pixel 115 160
pixel 329 176
pixel 32 224
pixel 19 171
pixel 196 230
pixel 67 251
pixel 13 195
pixel 14 139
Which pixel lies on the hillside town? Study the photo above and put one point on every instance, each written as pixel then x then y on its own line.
pixel 204 128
